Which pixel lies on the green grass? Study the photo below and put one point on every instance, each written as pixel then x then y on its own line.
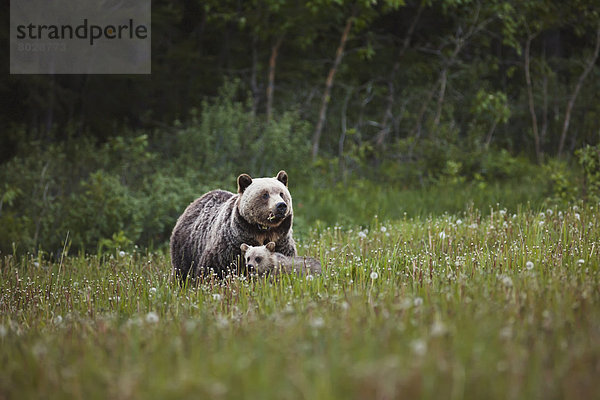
pixel 356 202
pixel 430 307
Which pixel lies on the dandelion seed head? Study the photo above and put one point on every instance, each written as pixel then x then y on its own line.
pixel 152 317
pixel 438 328
pixel 507 281
pixel 317 323
pixel 121 253
pixel 529 265
pixel 419 347
pixel 222 322
pixel 374 275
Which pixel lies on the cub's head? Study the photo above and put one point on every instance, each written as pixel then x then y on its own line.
pixel 264 201
pixel 258 258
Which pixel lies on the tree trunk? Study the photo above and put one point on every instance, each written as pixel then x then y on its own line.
pixel 253 80
pixel 441 95
pixel 534 124
pixel 271 84
pixel 342 139
pixel 328 85
pixel 388 115
pixel 571 103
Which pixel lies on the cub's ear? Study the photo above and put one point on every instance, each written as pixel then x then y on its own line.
pixel 282 177
pixel 244 247
pixel 243 181
pixel 270 246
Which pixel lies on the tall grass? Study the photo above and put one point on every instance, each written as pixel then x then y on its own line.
pixel 474 304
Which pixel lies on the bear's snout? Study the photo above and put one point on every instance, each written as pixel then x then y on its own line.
pixel 250 266
pixel 281 208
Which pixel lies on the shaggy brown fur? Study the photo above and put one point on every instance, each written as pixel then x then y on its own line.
pixel 208 235
pixel 264 260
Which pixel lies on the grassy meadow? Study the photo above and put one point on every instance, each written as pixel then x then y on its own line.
pixel 479 304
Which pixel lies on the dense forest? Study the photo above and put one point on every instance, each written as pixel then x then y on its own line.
pixel 401 94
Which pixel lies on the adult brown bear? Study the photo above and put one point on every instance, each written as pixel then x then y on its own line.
pixel 208 235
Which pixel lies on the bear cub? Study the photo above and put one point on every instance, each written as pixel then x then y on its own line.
pixel 264 259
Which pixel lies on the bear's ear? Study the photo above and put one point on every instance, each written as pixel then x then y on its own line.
pixel 244 247
pixel 270 246
pixel 244 180
pixel 282 177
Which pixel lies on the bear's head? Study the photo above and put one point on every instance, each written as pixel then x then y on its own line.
pixel 264 201
pixel 258 258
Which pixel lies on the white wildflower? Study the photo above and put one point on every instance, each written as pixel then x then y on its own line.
pixel 362 234
pixel 459 222
pixel 581 261
pixel 216 297
pixel 549 212
pixel 442 235
pixel 152 290
pixel 58 320
pixel 577 217
pixel 383 229
pixel 374 275
pixel 309 277
pixel 121 253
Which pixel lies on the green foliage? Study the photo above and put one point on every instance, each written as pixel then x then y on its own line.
pixel 581 181
pixel 589 161
pixel 101 208
pixel 564 186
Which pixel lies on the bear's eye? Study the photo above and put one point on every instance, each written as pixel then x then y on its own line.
pixel 265 195
pixel 281 194
pixel 258 259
